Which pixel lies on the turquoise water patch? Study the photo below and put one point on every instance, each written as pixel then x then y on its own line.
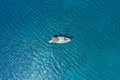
pixel 27 26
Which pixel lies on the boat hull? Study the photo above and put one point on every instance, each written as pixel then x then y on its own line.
pixel 60 40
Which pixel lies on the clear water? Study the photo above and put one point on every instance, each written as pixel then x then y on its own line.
pixel 26 26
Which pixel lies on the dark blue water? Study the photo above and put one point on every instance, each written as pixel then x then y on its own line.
pixel 26 26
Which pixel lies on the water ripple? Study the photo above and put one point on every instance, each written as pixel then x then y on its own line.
pixel 27 26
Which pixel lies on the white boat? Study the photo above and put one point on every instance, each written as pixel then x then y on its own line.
pixel 60 39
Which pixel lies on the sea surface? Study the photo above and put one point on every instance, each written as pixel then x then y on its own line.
pixel 26 26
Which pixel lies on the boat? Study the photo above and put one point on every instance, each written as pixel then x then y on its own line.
pixel 60 39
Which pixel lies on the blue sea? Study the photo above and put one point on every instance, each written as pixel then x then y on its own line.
pixel 26 26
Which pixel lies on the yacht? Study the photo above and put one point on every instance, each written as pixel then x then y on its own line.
pixel 60 39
